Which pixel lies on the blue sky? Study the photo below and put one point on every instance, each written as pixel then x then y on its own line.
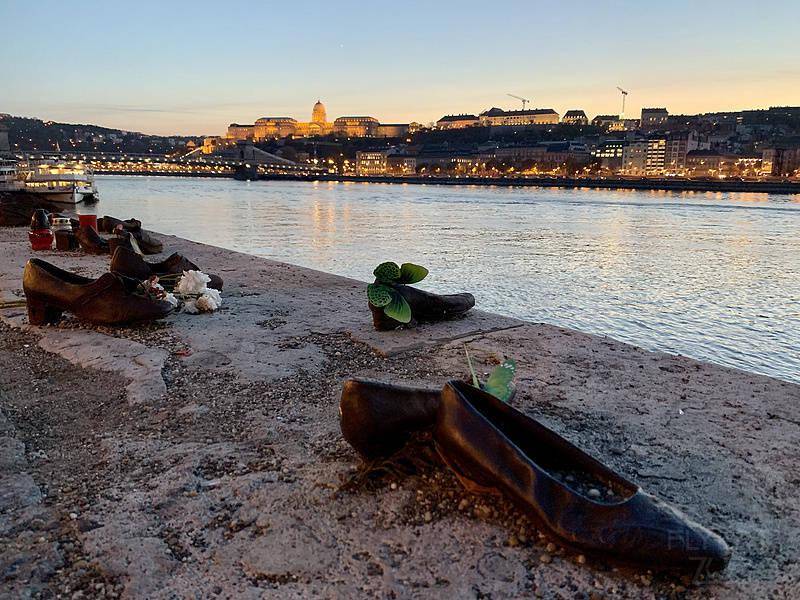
pixel 193 67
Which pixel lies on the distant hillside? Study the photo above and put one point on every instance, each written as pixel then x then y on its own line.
pixel 30 135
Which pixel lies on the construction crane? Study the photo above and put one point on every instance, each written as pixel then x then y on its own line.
pixel 624 93
pixel 520 98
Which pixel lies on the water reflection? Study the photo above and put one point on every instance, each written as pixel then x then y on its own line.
pixel 709 275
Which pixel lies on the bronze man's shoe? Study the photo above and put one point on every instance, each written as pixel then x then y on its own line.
pixel 490 445
pixel 90 241
pixel 147 243
pixel 377 419
pixel 425 307
pixel 126 262
pixel 109 300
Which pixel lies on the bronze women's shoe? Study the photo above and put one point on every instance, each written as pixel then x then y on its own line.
pixel 492 446
pixel 108 300
pixel 126 262
pixel 91 241
pixel 148 243
pixel 108 224
pixel 425 307
pixel 377 419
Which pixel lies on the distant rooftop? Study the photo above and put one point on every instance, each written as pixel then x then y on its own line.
pixel 574 113
pixel 457 118
pixel 499 112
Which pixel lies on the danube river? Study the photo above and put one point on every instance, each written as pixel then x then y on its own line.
pixel 711 276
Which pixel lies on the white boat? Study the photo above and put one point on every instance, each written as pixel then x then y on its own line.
pixel 68 183
pixel 9 177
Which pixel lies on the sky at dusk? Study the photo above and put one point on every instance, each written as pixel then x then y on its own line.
pixel 173 67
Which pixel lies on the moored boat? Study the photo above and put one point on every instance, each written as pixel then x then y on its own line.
pixel 66 183
pixel 9 177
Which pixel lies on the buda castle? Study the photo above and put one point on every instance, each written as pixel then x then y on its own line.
pixel 281 127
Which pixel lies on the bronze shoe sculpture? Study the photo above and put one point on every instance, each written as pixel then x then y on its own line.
pixel 377 419
pixel 425 307
pixel 147 243
pixel 90 241
pixel 111 299
pixel 126 262
pixel 491 445
pixel 108 224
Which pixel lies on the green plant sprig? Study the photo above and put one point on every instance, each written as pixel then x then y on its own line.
pixel 500 380
pixel 383 293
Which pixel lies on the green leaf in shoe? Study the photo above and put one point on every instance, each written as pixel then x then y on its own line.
pixel 411 273
pixel 398 309
pixel 379 295
pixel 387 272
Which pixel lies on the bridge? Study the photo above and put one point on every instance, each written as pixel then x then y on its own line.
pixel 225 164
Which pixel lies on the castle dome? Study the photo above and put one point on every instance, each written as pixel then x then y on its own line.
pixel 319 115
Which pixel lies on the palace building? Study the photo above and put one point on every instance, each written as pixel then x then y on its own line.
pixel 280 127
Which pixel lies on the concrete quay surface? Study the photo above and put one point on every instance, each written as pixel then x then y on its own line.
pixel 201 456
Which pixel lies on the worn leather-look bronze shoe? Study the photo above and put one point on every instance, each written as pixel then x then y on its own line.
pixel 90 241
pixel 147 243
pixel 377 419
pixel 108 300
pixel 425 307
pixel 108 224
pixel 126 262
pixel 490 445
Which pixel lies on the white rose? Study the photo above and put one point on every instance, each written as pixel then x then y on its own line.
pixel 190 306
pixel 214 295
pixel 192 282
pixel 206 303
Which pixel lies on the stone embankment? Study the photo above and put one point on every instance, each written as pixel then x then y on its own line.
pixel 603 183
pixel 201 457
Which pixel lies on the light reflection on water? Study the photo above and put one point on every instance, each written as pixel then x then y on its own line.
pixel 709 275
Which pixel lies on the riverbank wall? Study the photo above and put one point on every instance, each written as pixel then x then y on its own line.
pixel 204 452
pixel 673 185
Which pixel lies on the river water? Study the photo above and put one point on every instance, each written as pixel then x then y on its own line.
pixel 713 276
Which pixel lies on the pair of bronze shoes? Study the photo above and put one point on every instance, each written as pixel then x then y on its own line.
pixel 491 446
pixel 111 299
pixel 126 262
pixel 147 243
pixel 91 241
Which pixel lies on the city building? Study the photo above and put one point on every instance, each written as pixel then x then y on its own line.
pixel 457 121
pixel 610 154
pixel 575 117
pixel 392 130
pixel 240 132
pixel 605 122
pixel 401 164
pixel 215 143
pixel 535 116
pixel 781 162
pixel 371 163
pixel 356 126
pixel 655 157
pixel 274 127
pixel 644 157
pixel 634 158
pixel 677 146
pixel 653 119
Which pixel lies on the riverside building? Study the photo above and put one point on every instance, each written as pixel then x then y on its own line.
pixel 280 127
pixel 535 116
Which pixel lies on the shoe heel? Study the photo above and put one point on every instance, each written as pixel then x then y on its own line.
pixel 40 313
